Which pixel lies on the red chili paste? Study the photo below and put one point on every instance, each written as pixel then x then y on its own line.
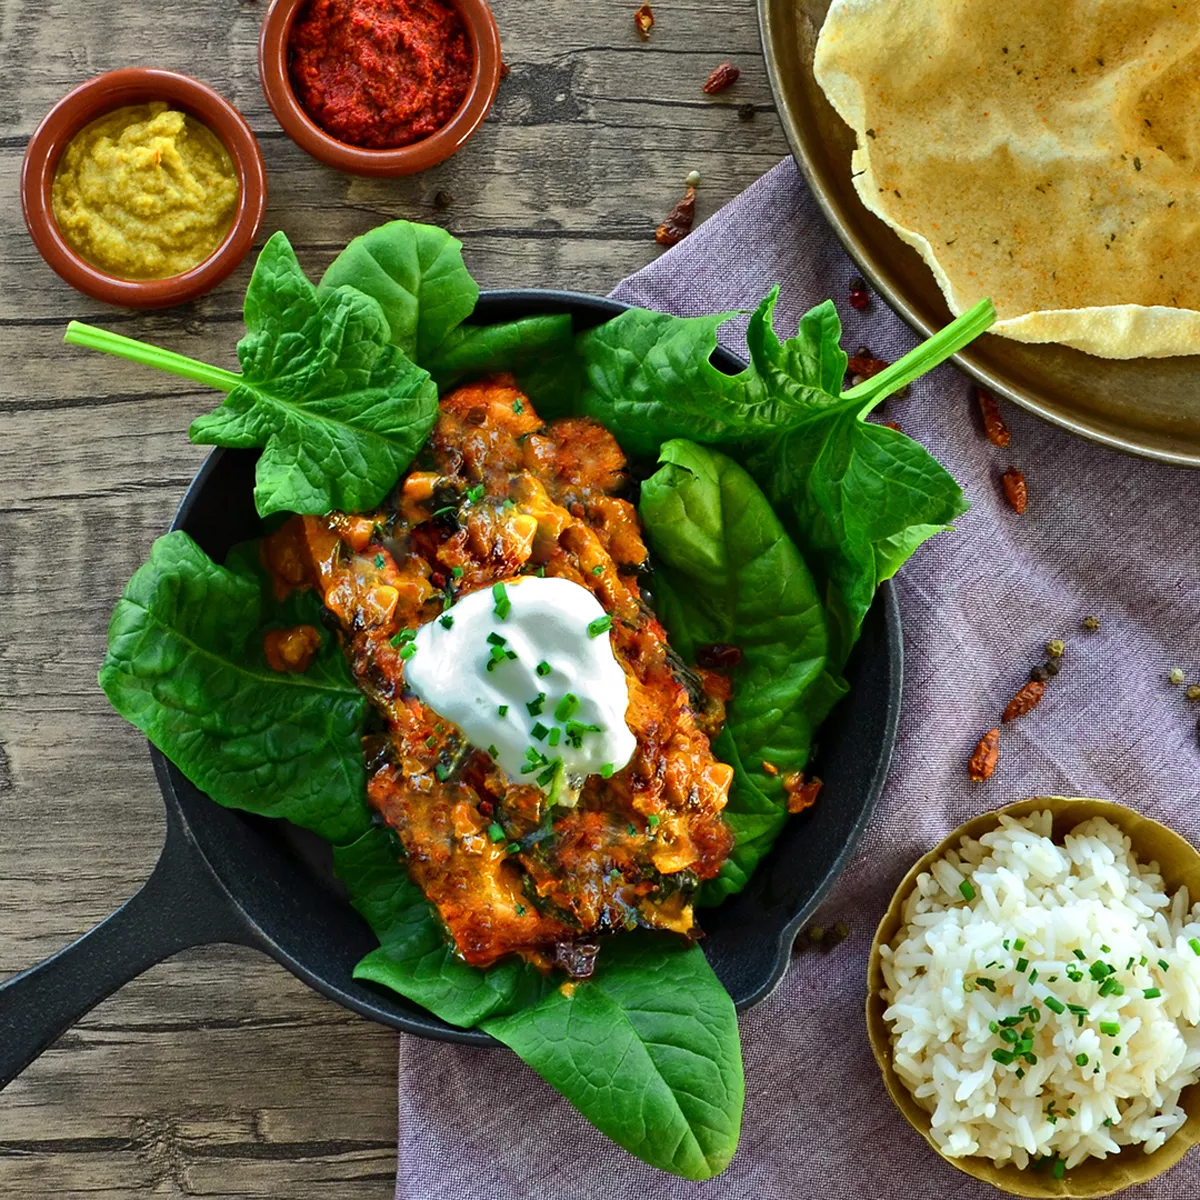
pixel 380 73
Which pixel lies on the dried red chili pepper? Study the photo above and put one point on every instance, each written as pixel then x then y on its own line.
pixel 993 423
pixel 859 296
pixel 1026 700
pixel 982 764
pixel 801 794
pixel 861 368
pixel 724 76
pixel 679 221
pixel 644 20
pixel 1015 491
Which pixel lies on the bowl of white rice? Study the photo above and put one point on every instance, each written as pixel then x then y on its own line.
pixel 1034 997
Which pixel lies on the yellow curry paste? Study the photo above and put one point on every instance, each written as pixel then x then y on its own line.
pixel 145 192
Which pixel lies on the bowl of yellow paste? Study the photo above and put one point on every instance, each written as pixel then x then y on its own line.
pixel 143 187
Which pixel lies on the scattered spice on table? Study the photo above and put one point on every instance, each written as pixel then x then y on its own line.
pixel 982 763
pixel 693 179
pixel 1056 647
pixel 859 296
pixel 993 423
pixel 1091 624
pixel 745 112
pixel 644 20
pixel 679 221
pixel 442 200
pixel 1193 692
pixel 1025 701
pixel 1016 491
pixel 722 77
pixel 1176 675
pixel 380 73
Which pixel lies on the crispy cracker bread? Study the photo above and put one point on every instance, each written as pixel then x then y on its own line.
pixel 1044 153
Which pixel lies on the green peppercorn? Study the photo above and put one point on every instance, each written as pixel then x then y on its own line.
pixel 1091 624
pixel 1193 692
pixel 1056 647
pixel 1176 675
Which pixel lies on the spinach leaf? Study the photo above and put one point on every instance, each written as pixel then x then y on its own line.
pixel 473 350
pixel 734 575
pixel 338 411
pixel 185 664
pixel 414 956
pixel 647 1049
pixel 857 498
pixel 417 275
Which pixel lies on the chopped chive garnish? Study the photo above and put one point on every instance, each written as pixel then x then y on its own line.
pixel 431 741
pixel 543 669
pixel 442 772
pixel 603 624
pixel 503 710
pixel 1019 944
pixel 652 820
pixel 1009 1035
pixel 1142 961
pixel 503 605
pixel 1033 975
pixel 1152 993
pixel 512 848
pixel 1162 962
pixel 1107 1122
pixel 984 982
pixel 1004 1057
pixel 493 751
pixel 539 731
pixel 598 570
pixel 1110 1028
pixel 1078 1008
pixel 968 892
pixel 495 639
pixel 1005 943
pixel 535 705
pixel 1105 949
pixel 606 770
pixel 1059 1169
pixel 1055 1005
pixel 1116 1051
pixel 1030 1058
pixel 994 1026
pixel 1129 964
pixel 404 635
pixel 495 832
pixel 1035 1016
pixel 1195 945
pixel 517 406
pixel 1023 1045
pixel 1099 970
pixel 1081 1060
pixel 408 650
pixel 446 621
pixel 1020 1073
pixel 1012 1020
pixel 457 572
pixel 1079 954
pixel 1022 965
pixel 520 907
pixel 379 561
pixel 475 493
pixel 555 736
pixel 566 706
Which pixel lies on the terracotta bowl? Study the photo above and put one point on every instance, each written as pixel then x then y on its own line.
pixel 1179 864
pixel 404 160
pixel 115 89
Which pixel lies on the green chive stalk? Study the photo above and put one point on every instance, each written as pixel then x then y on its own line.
pixel 79 334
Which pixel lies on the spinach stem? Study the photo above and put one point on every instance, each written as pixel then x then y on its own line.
pixel 79 334
pixel 925 357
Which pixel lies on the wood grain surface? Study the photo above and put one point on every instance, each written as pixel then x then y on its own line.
pixel 217 1073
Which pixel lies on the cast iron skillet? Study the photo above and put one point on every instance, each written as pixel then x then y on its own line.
pixel 225 876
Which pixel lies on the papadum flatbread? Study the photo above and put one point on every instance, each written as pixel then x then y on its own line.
pixel 1045 153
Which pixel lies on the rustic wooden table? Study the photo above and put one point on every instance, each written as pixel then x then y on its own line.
pixel 218 1073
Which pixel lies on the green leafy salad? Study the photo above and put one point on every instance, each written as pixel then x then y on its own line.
pixel 773 510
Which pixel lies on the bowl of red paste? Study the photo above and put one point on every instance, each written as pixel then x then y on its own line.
pixel 379 87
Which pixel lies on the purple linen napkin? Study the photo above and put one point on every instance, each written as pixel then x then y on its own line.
pixel 1103 534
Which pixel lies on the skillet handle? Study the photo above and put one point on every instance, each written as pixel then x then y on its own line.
pixel 180 905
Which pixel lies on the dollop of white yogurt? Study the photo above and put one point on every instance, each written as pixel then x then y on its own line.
pixel 526 670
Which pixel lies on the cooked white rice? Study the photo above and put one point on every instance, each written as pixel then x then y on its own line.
pixel 1078 1091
